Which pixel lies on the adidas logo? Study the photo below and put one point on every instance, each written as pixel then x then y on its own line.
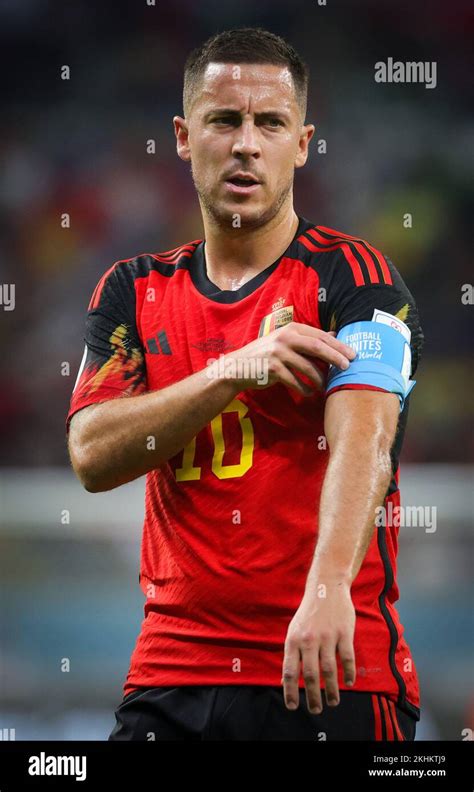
pixel 158 345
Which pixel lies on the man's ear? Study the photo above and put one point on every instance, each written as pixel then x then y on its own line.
pixel 307 133
pixel 182 138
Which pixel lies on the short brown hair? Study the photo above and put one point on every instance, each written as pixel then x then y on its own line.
pixel 245 45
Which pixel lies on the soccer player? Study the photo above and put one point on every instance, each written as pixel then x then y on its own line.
pixel 269 444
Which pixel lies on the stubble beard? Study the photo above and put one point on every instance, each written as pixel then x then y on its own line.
pixel 225 218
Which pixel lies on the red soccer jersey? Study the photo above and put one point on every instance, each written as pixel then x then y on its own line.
pixel 231 521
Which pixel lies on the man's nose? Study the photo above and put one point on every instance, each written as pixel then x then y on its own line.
pixel 246 140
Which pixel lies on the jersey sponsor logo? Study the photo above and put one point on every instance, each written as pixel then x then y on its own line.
pixel 158 344
pixel 275 320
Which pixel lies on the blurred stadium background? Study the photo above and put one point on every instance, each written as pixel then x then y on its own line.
pixel 70 590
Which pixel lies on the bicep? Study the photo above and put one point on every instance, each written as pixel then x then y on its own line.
pixel 358 418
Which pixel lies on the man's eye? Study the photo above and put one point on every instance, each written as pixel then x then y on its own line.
pixel 223 120
pixel 274 122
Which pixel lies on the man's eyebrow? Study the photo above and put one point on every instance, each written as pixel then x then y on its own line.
pixel 232 112
pixel 222 111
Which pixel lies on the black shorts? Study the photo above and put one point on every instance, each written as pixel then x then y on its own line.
pixel 255 712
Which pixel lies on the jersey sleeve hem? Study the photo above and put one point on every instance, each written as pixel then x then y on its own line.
pixel 356 386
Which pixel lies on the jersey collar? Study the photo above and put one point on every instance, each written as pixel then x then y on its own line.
pixel 197 269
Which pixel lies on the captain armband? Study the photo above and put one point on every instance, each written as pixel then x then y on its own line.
pixel 383 356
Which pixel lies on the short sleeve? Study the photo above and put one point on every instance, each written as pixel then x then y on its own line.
pixel 113 363
pixel 348 302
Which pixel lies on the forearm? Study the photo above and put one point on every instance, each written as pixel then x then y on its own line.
pixel 347 515
pixel 356 481
pixel 122 439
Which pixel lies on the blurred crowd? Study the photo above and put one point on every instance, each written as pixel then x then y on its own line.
pixel 78 146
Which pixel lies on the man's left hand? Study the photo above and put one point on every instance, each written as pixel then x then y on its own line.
pixel 321 628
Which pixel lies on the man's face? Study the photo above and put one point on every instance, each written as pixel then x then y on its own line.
pixel 244 136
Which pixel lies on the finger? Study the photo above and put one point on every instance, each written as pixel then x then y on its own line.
pixel 287 377
pixel 345 350
pixel 310 659
pixel 327 658
pixel 328 337
pixel 290 675
pixel 323 348
pixel 331 339
pixel 305 366
pixel 345 648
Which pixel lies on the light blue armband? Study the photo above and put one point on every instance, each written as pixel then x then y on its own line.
pixel 383 358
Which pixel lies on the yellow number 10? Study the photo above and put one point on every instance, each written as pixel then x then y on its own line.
pixel 188 472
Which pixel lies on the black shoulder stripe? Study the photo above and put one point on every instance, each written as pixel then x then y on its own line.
pixel 362 267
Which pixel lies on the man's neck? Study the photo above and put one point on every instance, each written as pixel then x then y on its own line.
pixel 234 256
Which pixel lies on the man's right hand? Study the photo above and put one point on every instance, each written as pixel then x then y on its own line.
pixel 271 358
